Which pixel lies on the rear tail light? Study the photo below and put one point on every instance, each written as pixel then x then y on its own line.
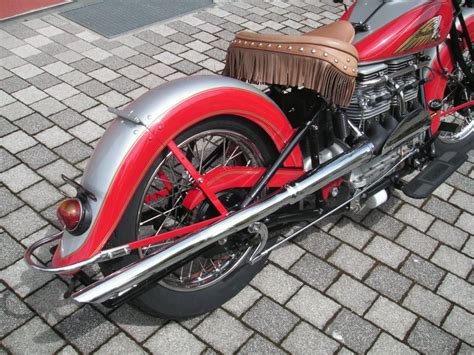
pixel 72 215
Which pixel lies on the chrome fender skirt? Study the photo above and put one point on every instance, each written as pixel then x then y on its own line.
pixel 139 134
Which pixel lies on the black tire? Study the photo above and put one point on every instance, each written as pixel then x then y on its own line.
pixel 162 301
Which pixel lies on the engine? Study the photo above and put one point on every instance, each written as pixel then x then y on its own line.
pixel 372 100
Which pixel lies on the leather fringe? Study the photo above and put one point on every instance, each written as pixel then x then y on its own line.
pixel 265 67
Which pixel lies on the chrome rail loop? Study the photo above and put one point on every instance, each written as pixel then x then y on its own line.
pixel 125 279
pixel 104 255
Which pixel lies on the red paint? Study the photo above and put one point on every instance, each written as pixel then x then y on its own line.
pixel 454 109
pixel 212 103
pixel 384 42
pixel 12 8
pixel 199 179
pixel 173 234
pixel 326 191
pixel 225 178
pixel 346 15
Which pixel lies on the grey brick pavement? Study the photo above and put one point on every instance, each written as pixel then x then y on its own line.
pixel 396 280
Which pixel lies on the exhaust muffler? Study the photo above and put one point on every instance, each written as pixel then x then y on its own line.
pixel 125 280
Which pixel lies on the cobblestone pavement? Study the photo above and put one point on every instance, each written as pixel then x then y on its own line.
pixel 397 279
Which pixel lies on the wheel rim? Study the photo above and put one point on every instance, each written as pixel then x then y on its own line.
pixel 206 151
pixel 464 119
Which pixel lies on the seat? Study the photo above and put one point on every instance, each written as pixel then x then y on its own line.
pixel 323 60
pixel 340 30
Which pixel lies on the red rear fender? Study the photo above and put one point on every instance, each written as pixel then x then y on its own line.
pixel 136 138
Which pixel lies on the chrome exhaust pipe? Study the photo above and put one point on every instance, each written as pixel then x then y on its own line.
pixel 120 282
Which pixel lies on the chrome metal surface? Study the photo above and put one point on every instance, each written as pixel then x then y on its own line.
pixel 124 279
pixel 331 212
pixel 261 230
pixel 104 255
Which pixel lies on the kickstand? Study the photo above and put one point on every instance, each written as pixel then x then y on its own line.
pixel 80 276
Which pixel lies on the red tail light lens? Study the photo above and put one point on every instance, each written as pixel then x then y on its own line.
pixel 70 213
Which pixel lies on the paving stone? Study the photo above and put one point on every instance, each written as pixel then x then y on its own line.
pixel 41 195
pixel 305 339
pixel 160 69
pixel 426 304
pixel 120 344
pixel 315 272
pixel 33 335
pixel 447 234
pixel 242 301
pixel 388 282
pixel 259 345
pixel 74 151
pixel 114 63
pixel 87 131
pixel 174 339
pixel 453 261
pixel 37 156
pixel 276 283
pixel 19 177
pixel 9 201
pixel 469 247
pixel 353 331
pixel 466 222
pixel 461 182
pixel 15 111
pixel 386 344
pixel 352 294
pixel 6 127
pixel 351 261
pixel 383 224
pixel 113 99
pixel 286 255
pixel 386 251
pixel 80 102
pixel 228 336
pixel 13 312
pixel 13 84
pixel 23 279
pixel 123 85
pixel 414 217
pixel 53 137
pixel 62 91
pixel 7 160
pixel 33 123
pixel 75 78
pixel 10 250
pixel 317 242
pixel 270 319
pixel 151 81
pixel 442 210
pixel 17 141
pixel 422 271
pixel 212 65
pixel 462 200
pixel 99 114
pixel 391 317
pixel 69 57
pixel 67 118
pixel 152 37
pixel 48 106
pixel 25 51
pixel 417 242
pixel 431 340
pixel 186 67
pixel 351 233
pixel 465 349
pixel 312 306
pixel 87 329
pixel 44 81
pixel 50 304
pixel 12 62
pixel 53 172
pixel 461 324
pixel 41 59
pixel 457 291
pixel 136 323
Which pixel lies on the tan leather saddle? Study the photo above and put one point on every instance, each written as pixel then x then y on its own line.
pixel 323 60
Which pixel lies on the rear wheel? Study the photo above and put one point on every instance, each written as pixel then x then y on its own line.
pixel 212 278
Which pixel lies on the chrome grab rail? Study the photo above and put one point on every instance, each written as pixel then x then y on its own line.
pixel 104 255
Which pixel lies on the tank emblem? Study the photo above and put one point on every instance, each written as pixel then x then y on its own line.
pixel 425 34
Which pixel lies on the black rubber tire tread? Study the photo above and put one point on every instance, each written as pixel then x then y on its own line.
pixel 170 304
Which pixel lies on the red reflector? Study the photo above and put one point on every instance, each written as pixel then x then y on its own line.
pixel 69 213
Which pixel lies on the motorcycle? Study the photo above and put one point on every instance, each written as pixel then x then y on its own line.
pixel 178 198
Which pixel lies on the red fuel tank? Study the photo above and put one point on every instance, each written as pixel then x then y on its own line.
pixel 399 27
